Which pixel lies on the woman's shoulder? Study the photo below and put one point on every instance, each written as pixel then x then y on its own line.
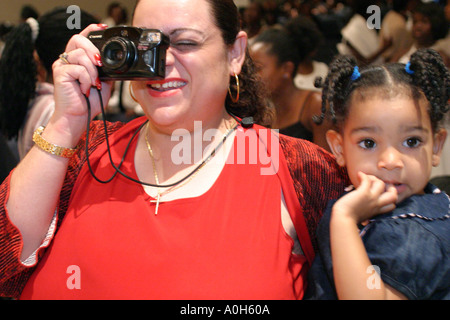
pixel 313 168
pixel 305 153
pixel 308 161
pixel 316 178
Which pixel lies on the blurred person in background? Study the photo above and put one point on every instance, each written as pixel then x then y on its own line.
pixel 429 26
pixel 26 80
pixel 307 38
pixel 277 56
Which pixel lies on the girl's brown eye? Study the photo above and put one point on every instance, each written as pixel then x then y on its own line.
pixel 412 142
pixel 367 144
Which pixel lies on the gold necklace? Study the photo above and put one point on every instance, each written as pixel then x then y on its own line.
pixel 186 179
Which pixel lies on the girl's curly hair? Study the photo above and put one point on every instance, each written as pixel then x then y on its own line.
pixel 426 75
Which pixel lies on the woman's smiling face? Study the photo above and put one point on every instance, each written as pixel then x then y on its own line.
pixel 198 64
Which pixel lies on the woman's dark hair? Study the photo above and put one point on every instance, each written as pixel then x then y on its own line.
pixel 305 34
pixel 28 11
pixel 111 7
pixel 252 95
pixel 18 70
pixel 425 76
pixel 280 45
pixel 399 5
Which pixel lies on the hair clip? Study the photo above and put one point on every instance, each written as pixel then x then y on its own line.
pixel 408 68
pixel 355 75
pixel 34 25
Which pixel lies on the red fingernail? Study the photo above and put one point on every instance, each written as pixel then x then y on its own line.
pixel 98 59
pixel 102 25
pixel 88 93
pixel 98 84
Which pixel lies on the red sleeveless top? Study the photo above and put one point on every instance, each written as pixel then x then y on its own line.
pixel 228 243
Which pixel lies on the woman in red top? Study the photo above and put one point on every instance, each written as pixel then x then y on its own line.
pixel 223 208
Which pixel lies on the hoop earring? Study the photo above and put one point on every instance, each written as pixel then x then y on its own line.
pixel 235 100
pixel 132 94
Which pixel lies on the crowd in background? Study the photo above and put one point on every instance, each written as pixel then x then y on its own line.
pixel 332 17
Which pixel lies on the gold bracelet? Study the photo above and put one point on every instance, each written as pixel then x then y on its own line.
pixel 50 147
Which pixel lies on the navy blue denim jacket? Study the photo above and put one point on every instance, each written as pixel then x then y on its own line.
pixel 410 247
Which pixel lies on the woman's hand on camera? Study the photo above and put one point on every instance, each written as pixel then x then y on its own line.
pixel 76 76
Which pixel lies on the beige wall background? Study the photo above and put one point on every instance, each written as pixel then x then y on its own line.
pixel 10 9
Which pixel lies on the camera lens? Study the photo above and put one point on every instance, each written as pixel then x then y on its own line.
pixel 118 54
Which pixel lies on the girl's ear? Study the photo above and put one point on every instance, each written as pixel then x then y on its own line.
pixel 438 145
pixel 237 53
pixel 334 140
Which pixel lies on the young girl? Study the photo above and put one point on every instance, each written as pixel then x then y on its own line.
pixel 389 138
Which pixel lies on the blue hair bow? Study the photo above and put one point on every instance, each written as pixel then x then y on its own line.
pixel 408 68
pixel 355 75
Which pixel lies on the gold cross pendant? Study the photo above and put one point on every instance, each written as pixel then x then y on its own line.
pixel 158 198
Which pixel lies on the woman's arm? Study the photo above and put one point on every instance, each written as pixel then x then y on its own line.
pixel 37 181
pixel 14 272
pixel 350 260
